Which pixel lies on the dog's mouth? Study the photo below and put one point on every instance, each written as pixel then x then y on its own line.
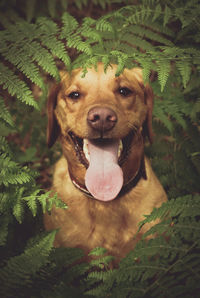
pixel 103 158
pixel 83 154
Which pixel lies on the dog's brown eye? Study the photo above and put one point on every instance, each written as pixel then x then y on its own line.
pixel 74 95
pixel 124 91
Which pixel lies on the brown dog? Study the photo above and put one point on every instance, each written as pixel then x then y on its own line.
pixel 103 176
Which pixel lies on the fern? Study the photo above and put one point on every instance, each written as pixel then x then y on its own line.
pixel 19 269
pixel 45 200
pixel 15 86
pixel 142 273
pixel 4 114
pixel 131 35
pixel 164 68
pixel 48 31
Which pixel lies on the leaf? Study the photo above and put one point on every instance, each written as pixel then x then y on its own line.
pixel 167 15
pixel 98 251
pixel 15 86
pixel 185 69
pixel 164 68
pixel 4 113
pixel 157 12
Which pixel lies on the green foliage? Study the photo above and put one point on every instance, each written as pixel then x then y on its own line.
pixel 160 265
pixel 36 41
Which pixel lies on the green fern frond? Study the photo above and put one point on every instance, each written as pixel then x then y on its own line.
pixel 183 206
pixel 147 66
pixel 42 57
pixel 167 15
pixel 185 69
pixel 4 114
pixel 121 59
pixel 4 229
pixel 70 24
pixel 157 12
pixel 134 41
pixel 12 173
pixel 160 115
pixel 151 35
pixel 98 251
pixel 19 269
pixel 18 211
pixel 46 200
pixel 104 25
pixel 4 147
pixel 15 86
pixel 49 30
pixel 164 68
pixel 23 63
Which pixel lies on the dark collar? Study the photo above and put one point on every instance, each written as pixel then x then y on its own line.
pixel 141 173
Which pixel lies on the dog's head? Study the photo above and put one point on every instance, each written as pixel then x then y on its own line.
pixel 102 121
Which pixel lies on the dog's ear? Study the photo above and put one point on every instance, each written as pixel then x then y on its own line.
pixel 53 129
pixel 147 126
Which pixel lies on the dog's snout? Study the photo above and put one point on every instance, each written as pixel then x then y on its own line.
pixel 101 118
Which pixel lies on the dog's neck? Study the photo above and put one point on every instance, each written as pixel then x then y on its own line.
pixel 140 173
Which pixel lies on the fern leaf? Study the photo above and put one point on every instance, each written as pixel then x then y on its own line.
pixel 102 262
pixel 160 115
pixel 148 33
pixel 106 62
pixel 164 68
pixel 11 173
pixel 181 206
pixel 147 66
pixel 51 201
pixel 42 57
pixel 4 113
pixel 104 25
pixel 19 269
pixel 121 61
pixel 98 251
pixel 4 147
pixel 18 210
pixel 23 63
pixel 76 42
pixel 136 41
pixel 167 15
pixel 157 12
pixel 32 204
pixel 15 86
pixel 185 69
pixel 4 230
pixel 70 24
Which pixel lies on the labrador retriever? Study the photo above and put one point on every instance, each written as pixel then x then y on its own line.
pixel 102 121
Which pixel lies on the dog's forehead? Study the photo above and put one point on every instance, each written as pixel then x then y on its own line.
pixel 96 75
pixel 99 77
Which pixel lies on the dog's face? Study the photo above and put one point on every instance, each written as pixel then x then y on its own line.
pixel 102 120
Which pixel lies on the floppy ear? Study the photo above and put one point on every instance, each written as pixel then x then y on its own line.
pixel 53 129
pixel 147 126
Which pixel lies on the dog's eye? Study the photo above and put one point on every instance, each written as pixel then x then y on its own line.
pixel 124 91
pixel 74 95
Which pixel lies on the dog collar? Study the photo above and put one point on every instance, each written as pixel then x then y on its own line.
pixel 141 173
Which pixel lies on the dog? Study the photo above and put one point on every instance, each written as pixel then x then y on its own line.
pixel 103 176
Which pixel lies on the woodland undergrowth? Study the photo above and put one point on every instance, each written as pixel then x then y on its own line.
pixel 37 40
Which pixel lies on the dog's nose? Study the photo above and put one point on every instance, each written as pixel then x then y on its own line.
pixel 101 118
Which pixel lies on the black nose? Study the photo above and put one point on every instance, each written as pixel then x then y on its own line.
pixel 101 119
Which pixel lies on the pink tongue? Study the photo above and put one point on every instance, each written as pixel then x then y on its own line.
pixel 104 177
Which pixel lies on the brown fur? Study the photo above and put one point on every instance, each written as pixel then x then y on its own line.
pixel 89 223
